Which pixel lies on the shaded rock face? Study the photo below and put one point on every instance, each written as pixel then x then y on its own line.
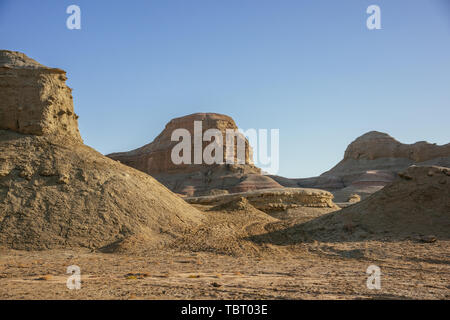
pixel 196 179
pixel 55 192
pixel 370 163
pixel 35 99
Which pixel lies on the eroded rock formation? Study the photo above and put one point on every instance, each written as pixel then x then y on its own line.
pixel 371 162
pixel 35 99
pixel 269 200
pixel 55 192
pixel 377 145
pixel 197 179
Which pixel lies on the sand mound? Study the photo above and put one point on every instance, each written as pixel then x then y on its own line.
pixel 416 204
pixel 56 192
pixel 370 163
pixel 227 230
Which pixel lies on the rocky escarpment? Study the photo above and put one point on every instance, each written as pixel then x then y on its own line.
pixel 371 162
pixel 55 192
pixel 192 178
pixel 35 99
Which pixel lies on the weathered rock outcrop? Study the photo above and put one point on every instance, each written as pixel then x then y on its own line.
pixel 377 145
pixel 371 162
pixel 197 179
pixel 35 99
pixel 55 192
pixel 269 200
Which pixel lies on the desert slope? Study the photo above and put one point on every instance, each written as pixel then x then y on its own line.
pixel 417 204
pixel 56 192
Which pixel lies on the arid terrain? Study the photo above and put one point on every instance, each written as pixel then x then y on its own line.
pixel 207 231
pixel 225 259
pixel 410 270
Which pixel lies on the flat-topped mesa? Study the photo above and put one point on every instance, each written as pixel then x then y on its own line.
pixel 156 158
pixel 34 99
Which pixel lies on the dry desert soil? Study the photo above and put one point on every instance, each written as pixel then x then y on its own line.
pixel 284 269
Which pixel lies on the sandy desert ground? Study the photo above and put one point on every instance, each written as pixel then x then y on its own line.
pixel 411 269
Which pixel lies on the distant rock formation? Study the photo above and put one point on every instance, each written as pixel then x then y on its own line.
pixel 55 192
pixel 34 98
pixel 377 145
pixel 371 162
pixel 196 179
pixel 155 158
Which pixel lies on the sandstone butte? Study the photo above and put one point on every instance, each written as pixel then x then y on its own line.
pixel 55 192
pixel 370 163
pixel 196 179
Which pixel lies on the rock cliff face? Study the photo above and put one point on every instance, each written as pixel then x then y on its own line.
pixel 197 179
pixel 35 99
pixel 371 162
pixel 55 192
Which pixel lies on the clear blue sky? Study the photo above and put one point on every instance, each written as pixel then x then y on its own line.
pixel 309 68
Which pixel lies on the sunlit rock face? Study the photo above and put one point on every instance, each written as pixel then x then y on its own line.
pixel 198 179
pixel 35 99
pixel 156 157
